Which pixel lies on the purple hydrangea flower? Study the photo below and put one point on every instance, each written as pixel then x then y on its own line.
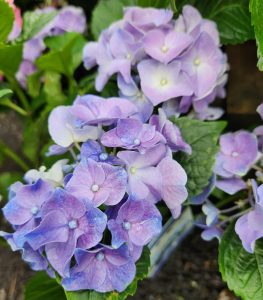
pixel 56 150
pixel 66 224
pixel 103 269
pixel 211 213
pixel 132 134
pixel 249 226
pixel 131 92
pixel 202 197
pixel 171 133
pixel 26 68
pixel 174 179
pixel 211 232
pixel 166 46
pixel 137 222
pixel 147 18
pixel 26 204
pixel 143 176
pixel 258 131
pixel 238 151
pixel 65 129
pixel 161 82
pixel 23 210
pixel 93 150
pixel 69 19
pixel 203 62
pixel 108 65
pixel 96 110
pixel 231 185
pixel 98 182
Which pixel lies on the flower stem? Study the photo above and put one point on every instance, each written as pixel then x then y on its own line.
pixel 10 153
pixel 12 105
pixel 173 6
pixel 20 93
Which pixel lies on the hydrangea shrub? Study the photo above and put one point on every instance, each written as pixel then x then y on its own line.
pixel 135 139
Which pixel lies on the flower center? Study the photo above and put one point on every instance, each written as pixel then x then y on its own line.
pixel 133 170
pixel 164 48
pixel 128 56
pixel 72 224
pixel 234 154
pixel 136 142
pixel 42 169
pixel 95 188
pixel 34 210
pixel 103 156
pixel 163 82
pixel 139 95
pixel 197 62
pixel 126 225
pixel 100 256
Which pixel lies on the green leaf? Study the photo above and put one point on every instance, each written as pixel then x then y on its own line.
pixel 5 93
pixel 34 83
pixel 53 89
pixel 242 271
pixel 256 9
pixel 6 20
pixel 202 137
pixel 34 22
pixel 142 268
pixel 10 58
pixel 66 57
pixel 232 18
pixel 153 3
pixel 33 136
pixel 42 287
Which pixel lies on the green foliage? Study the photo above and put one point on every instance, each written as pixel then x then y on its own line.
pixel 232 18
pixel 5 93
pixel 6 20
pixel 65 55
pixel 256 9
pixel 34 136
pixel 202 137
pixel 53 89
pixel 242 271
pixel 153 3
pixel 10 58
pixel 41 287
pixel 34 22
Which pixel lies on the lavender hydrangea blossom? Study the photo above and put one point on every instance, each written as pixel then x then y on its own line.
pixel 249 226
pixel 122 161
pixel 238 152
pixel 166 58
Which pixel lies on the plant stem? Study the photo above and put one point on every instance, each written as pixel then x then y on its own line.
pixel 10 153
pixel 18 109
pixel 173 6
pixel 20 93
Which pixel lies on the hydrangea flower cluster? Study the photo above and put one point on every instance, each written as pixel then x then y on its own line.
pixel 88 220
pixel 240 152
pixel 68 19
pixel 160 60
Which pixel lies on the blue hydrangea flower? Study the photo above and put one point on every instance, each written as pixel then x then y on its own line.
pixel 103 269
